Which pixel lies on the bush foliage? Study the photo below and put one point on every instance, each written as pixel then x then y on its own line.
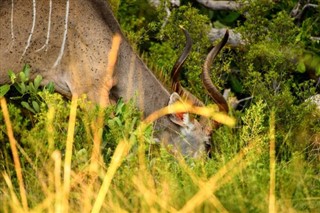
pixel 278 66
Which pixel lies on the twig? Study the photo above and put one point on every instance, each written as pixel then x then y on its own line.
pixel 297 14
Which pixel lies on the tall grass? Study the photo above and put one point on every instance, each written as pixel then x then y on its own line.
pixel 243 176
pixel 75 157
pixel 16 160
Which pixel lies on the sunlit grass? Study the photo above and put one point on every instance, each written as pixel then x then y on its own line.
pixel 62 192
pixel 135 181
pixel 15 154
pixel 179 107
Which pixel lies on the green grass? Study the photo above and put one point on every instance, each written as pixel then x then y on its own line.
pixel 61 168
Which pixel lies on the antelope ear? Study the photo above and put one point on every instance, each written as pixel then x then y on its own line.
pixel 182 119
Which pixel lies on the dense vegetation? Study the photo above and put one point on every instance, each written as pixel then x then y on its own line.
pixel 278 65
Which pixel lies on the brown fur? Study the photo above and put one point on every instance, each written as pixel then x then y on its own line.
pixel 78 57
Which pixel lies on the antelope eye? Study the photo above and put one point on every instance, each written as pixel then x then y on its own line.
pixel 208 148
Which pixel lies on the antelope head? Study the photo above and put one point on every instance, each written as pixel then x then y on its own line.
pixel 78 57
pixel 194 137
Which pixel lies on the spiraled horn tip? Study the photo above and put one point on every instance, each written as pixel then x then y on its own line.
pixel 227 33
pixel 225 37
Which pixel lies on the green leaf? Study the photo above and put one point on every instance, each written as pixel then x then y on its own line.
pixel 31 88
pixel 117 121
pixel 233 16
pixel 4 89
pixel 49 87
pixel 26 71
pixel 236 84
pixel 22 87
pixel 36 106
pixel 12 76
pixel 27 106
pixel 298 38
pixel 218 24
pixel 318 71
pixel 301 67
pixel 120 107
pixel 110 123
pixel 23 77
pixel 37 81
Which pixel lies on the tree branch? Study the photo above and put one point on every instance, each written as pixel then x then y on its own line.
pixel 298 12
pixel 315 38
pixel 220 5
pixel 235 39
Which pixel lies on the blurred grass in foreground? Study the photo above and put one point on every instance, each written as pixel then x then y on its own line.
pixel 60 170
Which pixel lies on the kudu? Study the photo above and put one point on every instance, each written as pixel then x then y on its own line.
pixel 67 42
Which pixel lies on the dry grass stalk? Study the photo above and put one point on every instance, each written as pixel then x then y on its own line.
pixel 216 181
pixel 13 145
pixel 272 196
pixel 68 155
pixel 97 125
pixel 179 107
pixel 119 154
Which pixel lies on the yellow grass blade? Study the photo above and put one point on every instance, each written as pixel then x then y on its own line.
pixel 213 199
pixel 13 145
pixel 121 151
pixel 150 196
pixel 180 107
pixel 108 80
pixel 67 162
pixel 272 197
pixel 217 180
pixel 50 128
pixel 58 204
pixel 16 205
pixel 97 126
